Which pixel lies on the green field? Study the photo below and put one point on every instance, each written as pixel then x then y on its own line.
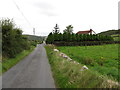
pixel 103 58
pixel 67 74
pixel 116 37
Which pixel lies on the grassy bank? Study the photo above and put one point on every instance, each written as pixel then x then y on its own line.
pixel 68 75
pixel 102 58
pixel 116 37
pixel 8 63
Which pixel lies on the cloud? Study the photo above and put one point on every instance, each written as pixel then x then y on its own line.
pixel 46 8
pixel 44 5
pixel 48 13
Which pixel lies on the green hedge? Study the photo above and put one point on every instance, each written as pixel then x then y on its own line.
pixel 67 37
pixel 13 42
pixel 84 43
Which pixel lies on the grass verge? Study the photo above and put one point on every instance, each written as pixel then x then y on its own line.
pixel 101 58
pixel 8 63
pixel 68 75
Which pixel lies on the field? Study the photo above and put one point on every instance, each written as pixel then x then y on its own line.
pixel 103 58
pixel 67 74
pixel 115 37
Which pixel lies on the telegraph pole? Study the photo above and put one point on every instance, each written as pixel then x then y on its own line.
pixel 33 31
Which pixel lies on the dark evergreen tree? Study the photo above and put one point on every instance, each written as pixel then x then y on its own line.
pixel 69 36
pixel 50 38
pixel 56 29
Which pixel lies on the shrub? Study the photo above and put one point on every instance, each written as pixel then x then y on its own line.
pixel 12 40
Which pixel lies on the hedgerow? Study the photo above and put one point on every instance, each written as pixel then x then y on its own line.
pixel 13 42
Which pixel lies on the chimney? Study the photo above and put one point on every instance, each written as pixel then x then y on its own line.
pixel 91 31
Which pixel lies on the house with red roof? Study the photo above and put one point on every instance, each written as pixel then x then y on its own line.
pixel 86 32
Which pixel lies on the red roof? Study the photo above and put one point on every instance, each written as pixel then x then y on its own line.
pixel 85 32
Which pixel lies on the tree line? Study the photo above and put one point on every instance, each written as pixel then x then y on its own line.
pixel 69 36
pixel 13 42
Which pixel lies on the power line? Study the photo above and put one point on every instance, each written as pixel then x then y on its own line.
pixel 22 13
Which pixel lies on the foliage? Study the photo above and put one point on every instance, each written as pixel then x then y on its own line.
pixel 84 43
pixel 8 63
pixel 112 33
pixel 69 36
pixel 68 75
pixel 56 29
pixel 39 39
pixel 69 29
pixel 0 43
pixel 50 38
pixel 13 42
pixel 103 58
pixel 116 37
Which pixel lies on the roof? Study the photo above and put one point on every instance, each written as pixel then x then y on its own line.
pixel 84 32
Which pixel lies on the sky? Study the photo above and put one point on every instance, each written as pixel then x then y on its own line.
pixel 99 15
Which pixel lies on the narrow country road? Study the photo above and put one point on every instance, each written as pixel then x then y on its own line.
pixel 32 72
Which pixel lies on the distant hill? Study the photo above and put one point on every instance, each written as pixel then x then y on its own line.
pixel 110 32
pixel 33 37
pixel 114 33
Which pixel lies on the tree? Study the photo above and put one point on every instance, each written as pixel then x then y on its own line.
pixel 56 29
pixel 73 37
pixel 12 40
pixel 50 38
pixel 60 37
pixel 65 36
pixel 69 29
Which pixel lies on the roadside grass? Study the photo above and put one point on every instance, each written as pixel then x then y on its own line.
pixel 68 75
pixel 102 58
pixel 8 63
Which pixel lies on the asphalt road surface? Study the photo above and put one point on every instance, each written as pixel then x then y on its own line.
pixel 32 72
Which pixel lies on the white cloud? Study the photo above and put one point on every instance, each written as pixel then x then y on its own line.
pixel 100 15
pixel 43 5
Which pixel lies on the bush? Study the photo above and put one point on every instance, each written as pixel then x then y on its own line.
pixel 33 43
pixel 12 40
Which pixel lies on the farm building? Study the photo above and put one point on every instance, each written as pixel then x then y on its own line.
pixel 86 32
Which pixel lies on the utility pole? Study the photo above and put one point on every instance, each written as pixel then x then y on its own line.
pixel 33 31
